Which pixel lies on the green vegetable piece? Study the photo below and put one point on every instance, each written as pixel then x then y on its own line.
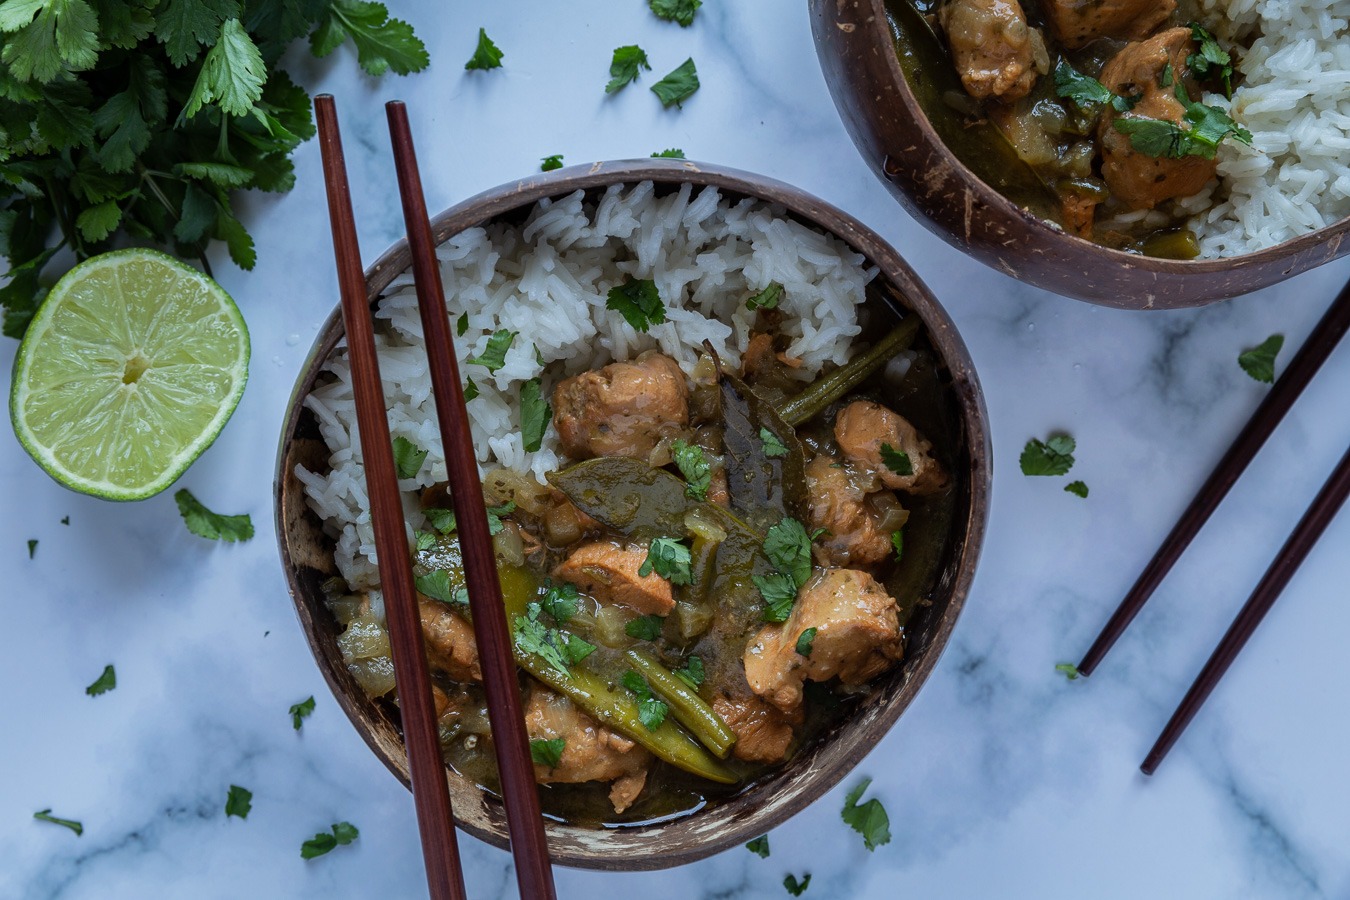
pixel 485 55
pixel 868 819
pixel 1259 361
pixel 1053 456
pixel 788 547
pixel 1068 670
pixel 1077 488
pixel 681 11
pixel 105 682
pixel 638 301
pixel 678 86
pixel 32 548
pixel 821 393
pixel 341 834
pixel 651 711
pixel 301 711
pixel 896 460
pixel 204 523
pixel 898 542
pixel 759 846
pixel 693 672
pixel 684 703
pixel 408 458
pixel 763 486
pixel 238 802
pixel 668 558
pixel 672 153
pixel 493 356
pixel 624 68
pixel 780 592
pixel 805 640
pixel 767 298
pixel 794 887
pixel 535 414
pixel 547 753
pixel 693 465
pixel 773 447
pixel 45 815
pixel 645 628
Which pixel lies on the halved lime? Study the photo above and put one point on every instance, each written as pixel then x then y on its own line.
pixel 129 370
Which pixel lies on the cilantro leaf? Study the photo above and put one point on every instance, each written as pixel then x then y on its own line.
pixel 638 301
pixel 1068 670
pixel 1160 138
pixel 1053 456
pixel 495 514
pixel 1086 92
pixel 342 833
pixel 767 298
pixel 549 163
pixel 645 628
pixel 470 390
pixel 672 153
pixel 868 819
pixel 788 547
pixel 561 601
pixel 408 458
pixel 62 36
pixel 238 802
pixel 1077 488
pixel 547 753
pixel 45 815
pixel 625 67
pixel 651 711
pixel 693 672
pixel 301 711
pixel 185 26
pixel 668 558
pixel 805 640
pixel 681 11
pixel 779 592
pixel 443 520
pixel 382 42
pixel 204 523
pixel 32 549
pixel 549 644
pixel 105 682
pixel 462 324
pixel 535 414
pixel 485 55
pixel 759 846
pixel 1259 361
pixel 423 541
pixel 898 542
pixel 575 648
pixel 437 586
pixel 794 887
pixel 773 447
pixel 896 460
pixel 1212 61
pixel 678 86
pixel 232 75
pixel 693 465
pixel 493 356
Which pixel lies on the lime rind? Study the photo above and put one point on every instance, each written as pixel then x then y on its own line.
pixel 72 411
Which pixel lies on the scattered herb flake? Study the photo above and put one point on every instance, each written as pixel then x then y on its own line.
pixel 625 67
pixel 547 753
pixel 1077 488
pixel 238 802
pixel 300 712
pixel 535 414
pixel 1068 670
pixel 645 628
pixel 65 520
pixel 104 683
pixel 678 86
pixel 493 356
pixel 462 324
pixel 805 640
pixel 1053 456
pixel 773 447
pixel 45 815
pixel 638 301
pixel 759 846
pixel 651 711
pixel 549 163
pixel 561 600
pixel 485 55
pixel 694 466
pixel 779 592
pixel 794 887
pixel 672 153
pixel 693 672
pixel 868 819
pixel 898 542
pixel 436 585
pixel 681 11
pixel 495 514
pixel 204 523
pixel 897 460
pixel 32 548
pixel 668 558
pixel 470 390
pixel 342 833
pixel 767 298
pixel 408 457
pixel 1259 361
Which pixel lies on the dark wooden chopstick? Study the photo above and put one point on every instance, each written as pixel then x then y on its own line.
pixel 524 821
pixel 431 795
pixel 1324 508
pixel 1315 350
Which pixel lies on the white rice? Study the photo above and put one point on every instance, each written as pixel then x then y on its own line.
pixel 1295 100
pixel 548 280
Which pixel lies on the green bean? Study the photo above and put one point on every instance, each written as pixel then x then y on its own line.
pixel 820 394
pixel 685 704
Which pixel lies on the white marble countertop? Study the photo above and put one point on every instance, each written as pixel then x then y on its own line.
pixel 1003 779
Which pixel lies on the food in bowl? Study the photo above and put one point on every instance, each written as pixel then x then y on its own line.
pixel 1199 129
pixel 719 393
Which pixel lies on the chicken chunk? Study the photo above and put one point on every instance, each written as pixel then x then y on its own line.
pixel 994 49
pixel 1141 181
pixel 864 428
pixel 853 532
pixel 624 409
pixel 1077 23
pixel 857 638
pixel 608 571
pixel 450 643
pixel 763 732
pixel 591 752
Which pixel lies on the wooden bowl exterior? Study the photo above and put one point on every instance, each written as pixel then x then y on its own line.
pixel 853 41
pixel 306 551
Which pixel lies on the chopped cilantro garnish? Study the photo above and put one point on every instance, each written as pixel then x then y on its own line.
pixel 898 542
pixel 559 649
pixel 767 298
pixel 624 68
pixel 495 514
pixel 772 445
pixel 1160 138
pixel 794 887
pixel 104 683
pixel 549 163
pixel 485 55
pixel 204 523
pixel 693 465
pixel 436 585
pixel 668 558
pixel 1212 61
pixel 651 711
pixel 1068 670
pixel 1259 361
pixel 561 600
pixel 868 819
pixel 638 301
pixel 678 86
pixel 759 846
pixel 681 11
pixel 443 520
pixel 788 547
pixel 896 460
pixel 779 592
pixel 547 753
pixel 342 833
pixel 493 356
pixel 535 414
pixel 693 672
pixel 462 324
pixel 1077 488
pixel 301 711
pixel 805 641
pixel 408 457
pixel 45 815
pixel 645 628
pixel 1053 456
pixel 672 153
pixel 470 390
pixel 424 540
pixel 32 548
pixel 1086 92
pixel 238 802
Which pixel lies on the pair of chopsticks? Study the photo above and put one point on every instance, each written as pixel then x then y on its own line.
pixel 1305 535
pixel 431 796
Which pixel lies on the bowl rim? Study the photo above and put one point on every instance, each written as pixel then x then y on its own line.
pixel 736 820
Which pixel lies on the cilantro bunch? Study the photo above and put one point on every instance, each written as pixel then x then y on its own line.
pixel 142 117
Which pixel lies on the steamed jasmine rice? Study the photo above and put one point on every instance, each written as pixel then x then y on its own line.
pixel 547 282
